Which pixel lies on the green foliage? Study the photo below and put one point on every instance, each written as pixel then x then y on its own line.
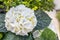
pixel 1 6
pixel 58 15
pixel 1 0
pixel 1 35
pixel 33 4
pixel 43 20
pixel 2 23
pixel 11 36
pixel 48 34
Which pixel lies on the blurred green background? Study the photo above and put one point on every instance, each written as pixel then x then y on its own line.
pixel 33 4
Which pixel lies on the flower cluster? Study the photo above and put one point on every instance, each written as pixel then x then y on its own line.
pixel 20 20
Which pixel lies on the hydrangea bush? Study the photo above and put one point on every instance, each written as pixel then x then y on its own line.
pixel 26 20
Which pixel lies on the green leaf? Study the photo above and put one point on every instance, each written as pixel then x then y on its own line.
pixel 43 20
pixel 11 36
pixel 1 6
pixel 48 34
pixel 1 35
pixel 1 0
pixel 2 23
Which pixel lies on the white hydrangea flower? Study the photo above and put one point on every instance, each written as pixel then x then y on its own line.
pixel 20 20
pixel 37 33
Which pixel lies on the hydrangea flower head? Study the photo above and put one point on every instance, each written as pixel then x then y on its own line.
pixel 20 20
